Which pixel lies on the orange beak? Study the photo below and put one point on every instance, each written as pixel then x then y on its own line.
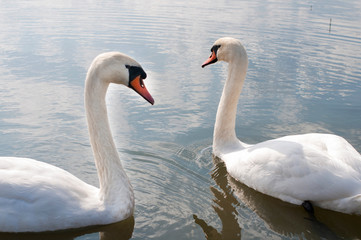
pixel 211 59
pixel 137 85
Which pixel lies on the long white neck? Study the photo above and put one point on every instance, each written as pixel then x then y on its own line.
pixel 224 138
pixel 114 183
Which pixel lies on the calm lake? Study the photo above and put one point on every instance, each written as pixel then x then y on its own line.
pixel 304 76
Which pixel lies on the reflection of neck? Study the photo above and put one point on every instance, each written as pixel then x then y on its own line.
pixel 224 137
pixel 114 183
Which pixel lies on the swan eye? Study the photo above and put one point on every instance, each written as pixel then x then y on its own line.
pixel 136 82
pixel 213 58
pixel 215 48
pixel 134 72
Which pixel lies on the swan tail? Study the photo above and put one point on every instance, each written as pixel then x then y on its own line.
pixel 355 203
pixel 350 205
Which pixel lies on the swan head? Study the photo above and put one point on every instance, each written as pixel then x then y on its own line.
pixel 226 49
pixel 118 68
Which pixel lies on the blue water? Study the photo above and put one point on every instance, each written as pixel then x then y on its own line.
pixel 304 76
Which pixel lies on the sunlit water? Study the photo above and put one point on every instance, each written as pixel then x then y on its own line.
pixel 304 76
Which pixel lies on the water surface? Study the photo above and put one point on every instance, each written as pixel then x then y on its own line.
pixel 304 76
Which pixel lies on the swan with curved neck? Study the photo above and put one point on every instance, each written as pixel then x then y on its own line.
pixel 36 196
pixel 321 169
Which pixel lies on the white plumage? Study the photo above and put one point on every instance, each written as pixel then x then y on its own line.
pixel 321 168
pixel 36 196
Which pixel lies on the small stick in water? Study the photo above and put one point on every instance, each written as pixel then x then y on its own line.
pixel 329 27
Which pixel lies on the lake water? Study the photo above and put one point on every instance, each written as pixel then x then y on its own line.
pixel 304 76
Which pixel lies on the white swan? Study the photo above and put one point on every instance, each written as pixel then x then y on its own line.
pixel 323 169
pixel 36 196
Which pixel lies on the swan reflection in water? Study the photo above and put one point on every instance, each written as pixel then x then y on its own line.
pixel 233 200
pixel 122 230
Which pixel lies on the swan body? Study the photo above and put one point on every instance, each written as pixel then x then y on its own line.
pixel 36 196
pixel 321 168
